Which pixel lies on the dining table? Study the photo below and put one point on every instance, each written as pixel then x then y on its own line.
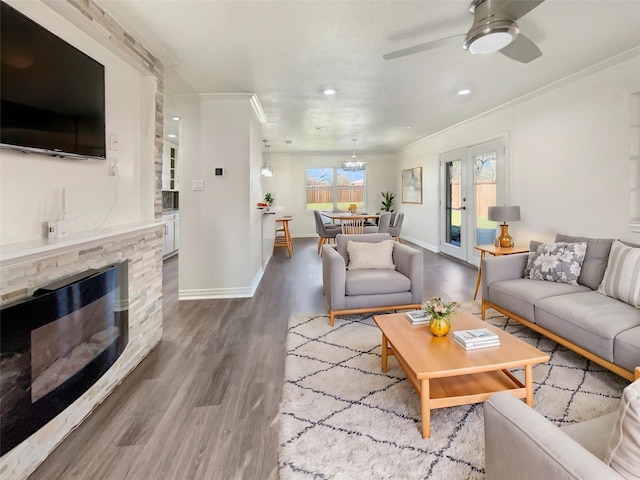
pixel 346 216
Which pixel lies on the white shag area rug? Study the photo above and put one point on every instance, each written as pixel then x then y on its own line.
pixel 342 418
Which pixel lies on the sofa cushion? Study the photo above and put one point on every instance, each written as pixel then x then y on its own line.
pixel 557 262
pixel 520 294
pixel 366 255
pixel 588 319
pixel 591 434
pixel 624 444
pixel 595 260
pixel 375 282
pixel 622 276
pixel 626 349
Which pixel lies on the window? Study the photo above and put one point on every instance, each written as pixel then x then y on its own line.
pixel 334 189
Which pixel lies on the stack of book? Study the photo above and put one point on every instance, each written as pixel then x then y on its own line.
pixel 418 317
pixel 476 338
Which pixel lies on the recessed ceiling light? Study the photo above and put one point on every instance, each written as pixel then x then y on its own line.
pixel 464 91
pixel 330 91
pixel 175 117
pixel 172 135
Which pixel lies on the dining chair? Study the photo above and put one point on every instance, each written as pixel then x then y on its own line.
pixel 353 226
pixel 326 232
pixel 382 226
pixel 394 230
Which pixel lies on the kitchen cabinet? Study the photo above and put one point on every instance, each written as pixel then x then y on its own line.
pixel 170 167
pixel 171 236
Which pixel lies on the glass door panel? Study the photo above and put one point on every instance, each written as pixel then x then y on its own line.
pixel 485 165
pixel 453 203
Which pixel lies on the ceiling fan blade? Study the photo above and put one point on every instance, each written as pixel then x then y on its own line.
pixel 522 49
pixel 515 9
pixel 423 47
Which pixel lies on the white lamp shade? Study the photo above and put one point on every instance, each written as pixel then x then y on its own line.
pixel 504 214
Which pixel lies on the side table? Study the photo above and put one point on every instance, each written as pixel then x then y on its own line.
pixel 496 252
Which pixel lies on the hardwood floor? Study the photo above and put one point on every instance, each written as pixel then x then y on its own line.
pixel 204 403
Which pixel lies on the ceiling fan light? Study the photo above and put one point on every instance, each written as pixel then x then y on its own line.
pixel 491 36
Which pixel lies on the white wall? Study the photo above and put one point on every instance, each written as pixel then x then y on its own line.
pixel 567 160
pixel 220 242
pixel 30 184
pixel 289 177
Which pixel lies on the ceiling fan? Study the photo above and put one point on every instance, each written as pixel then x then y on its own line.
pixel 494 29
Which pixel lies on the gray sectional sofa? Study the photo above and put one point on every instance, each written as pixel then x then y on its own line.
pixel 602 328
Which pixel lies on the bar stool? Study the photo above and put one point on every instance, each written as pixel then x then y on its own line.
pixel 283 234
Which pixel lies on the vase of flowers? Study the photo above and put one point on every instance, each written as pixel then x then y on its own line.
pixel 440 312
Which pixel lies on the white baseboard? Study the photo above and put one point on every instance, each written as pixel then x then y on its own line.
pixel 427 246
pixel 218 293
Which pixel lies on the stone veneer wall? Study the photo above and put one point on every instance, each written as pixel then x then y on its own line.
pixel 21 276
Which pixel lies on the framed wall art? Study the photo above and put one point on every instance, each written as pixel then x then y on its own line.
pixel 412 185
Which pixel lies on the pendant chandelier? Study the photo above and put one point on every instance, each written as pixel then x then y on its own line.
pixel 266 170
pixel 354 165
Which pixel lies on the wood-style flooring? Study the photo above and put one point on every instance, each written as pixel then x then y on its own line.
pixel 204 403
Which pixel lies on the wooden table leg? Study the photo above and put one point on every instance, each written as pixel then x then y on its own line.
pixel 528 384
pixel 384 353
pixel 475 294
pixel 425 408
pixel 287 235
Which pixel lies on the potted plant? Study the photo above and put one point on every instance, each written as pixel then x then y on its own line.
pixel 440 313
pixel 387 203
pixel 268 199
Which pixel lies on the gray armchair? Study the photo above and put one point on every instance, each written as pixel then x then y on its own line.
pixel 371 290
pixel 520 443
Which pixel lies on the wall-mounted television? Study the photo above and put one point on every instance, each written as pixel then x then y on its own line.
pixel 52 94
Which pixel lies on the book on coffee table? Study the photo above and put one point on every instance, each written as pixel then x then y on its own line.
pixel 474 346
pixel 418 317
pixel 476 338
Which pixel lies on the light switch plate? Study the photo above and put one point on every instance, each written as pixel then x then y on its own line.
pixel 197 185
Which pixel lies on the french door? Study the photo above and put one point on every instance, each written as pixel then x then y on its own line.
pixel 471 182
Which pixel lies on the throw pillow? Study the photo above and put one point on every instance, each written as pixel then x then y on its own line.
pixel 558 262
pixel 624 444
pixel 622 276
pixel 365 255
pixel 533 246
pixel 595 260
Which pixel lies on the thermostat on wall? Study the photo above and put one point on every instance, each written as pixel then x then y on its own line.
pixel 219 171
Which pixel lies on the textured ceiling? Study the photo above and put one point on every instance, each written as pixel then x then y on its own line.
pixel 287 52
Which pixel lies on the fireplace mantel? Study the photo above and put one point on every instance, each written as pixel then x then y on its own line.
pixel 27 251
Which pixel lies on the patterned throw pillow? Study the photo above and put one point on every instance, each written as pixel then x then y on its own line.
pixel 622 277
pixel 558 262
pixel 624 448
pixel 533 246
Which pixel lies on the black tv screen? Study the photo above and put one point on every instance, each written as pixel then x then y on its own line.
pixel 52 95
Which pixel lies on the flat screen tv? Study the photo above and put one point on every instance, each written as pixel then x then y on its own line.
pixel 52 95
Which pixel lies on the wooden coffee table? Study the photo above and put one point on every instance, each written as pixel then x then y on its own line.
pixel 446 375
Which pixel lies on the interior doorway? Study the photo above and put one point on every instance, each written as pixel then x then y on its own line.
pixel 472 179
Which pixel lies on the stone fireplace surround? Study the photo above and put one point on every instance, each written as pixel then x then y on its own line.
pixel 26 266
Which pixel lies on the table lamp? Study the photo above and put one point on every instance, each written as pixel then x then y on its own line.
pixel 504 215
